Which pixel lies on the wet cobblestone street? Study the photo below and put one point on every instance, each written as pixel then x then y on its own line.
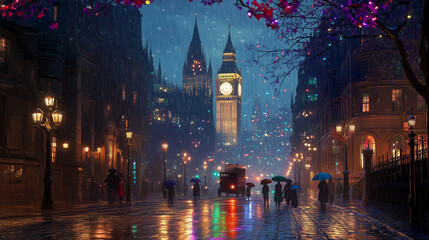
pixel 210 218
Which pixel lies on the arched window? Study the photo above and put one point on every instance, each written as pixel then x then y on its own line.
pixel 397 144
pixel 366 142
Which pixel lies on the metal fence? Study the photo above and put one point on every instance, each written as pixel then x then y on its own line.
pixel 390 179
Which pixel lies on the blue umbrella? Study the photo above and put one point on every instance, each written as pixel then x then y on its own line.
pixel 295 187
pixel 168 183
pixel 195 180
pixel 321 176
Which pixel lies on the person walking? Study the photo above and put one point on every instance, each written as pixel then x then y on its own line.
pixel 170 192
pixel 286 193
pixel 278 197
pixel 196 191
pixel 248 192
pixel 112 181
pixel 331 190
pixel 323 194
pixel 121 191
pixel 265 190
pixel 293 196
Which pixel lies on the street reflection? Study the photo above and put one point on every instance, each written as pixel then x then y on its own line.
pixel 231 218
pixel 163 226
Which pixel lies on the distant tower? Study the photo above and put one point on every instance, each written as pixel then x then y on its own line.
pixel 197 79
pixel 228 98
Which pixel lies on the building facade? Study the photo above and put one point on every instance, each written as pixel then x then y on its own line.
pixel 100 89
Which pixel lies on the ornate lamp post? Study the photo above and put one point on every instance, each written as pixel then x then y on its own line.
pixel 346 131
pixel 49 122
pixel 129 135
pixel 412 196
pixel 99 160
pixel 165 149
pixel 205 176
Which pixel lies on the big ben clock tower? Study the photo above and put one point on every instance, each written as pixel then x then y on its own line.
pixel 228 98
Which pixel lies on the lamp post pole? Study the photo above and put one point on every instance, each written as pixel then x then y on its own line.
pixel 411 143
pixel 47 195
pixel 49 122
pixel 165 149
pixel 129 135
pixel 184 180
pixel 346 178
pixel 346 131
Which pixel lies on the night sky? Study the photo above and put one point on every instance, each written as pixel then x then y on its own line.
pixel 168 26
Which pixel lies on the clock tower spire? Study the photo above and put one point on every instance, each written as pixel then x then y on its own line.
pixel 228 98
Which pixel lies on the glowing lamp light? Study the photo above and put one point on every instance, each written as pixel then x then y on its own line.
pixel 232 186
pixel 65 145
pixel 147 2
pixel 338 128
pixel 57 117
pixel 412 121
pixel 37 116
pixel 352 128
pixel 99 150
pixel 49 100
pixel 86 149
pixel 129 134
pixel 164 146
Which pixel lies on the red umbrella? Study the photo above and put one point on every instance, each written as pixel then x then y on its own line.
pixel 249 184
pixel 266 181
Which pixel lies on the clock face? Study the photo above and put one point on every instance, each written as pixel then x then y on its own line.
pixel 239 89
pixel 226 88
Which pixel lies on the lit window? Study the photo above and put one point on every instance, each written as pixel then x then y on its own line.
pixel 365 102
pixel 396 100
pixel 134 98
pixel 123 92
pixel 54 149
pixel 312 81
pixel 3 51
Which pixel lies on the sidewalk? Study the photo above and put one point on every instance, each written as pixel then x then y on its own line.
pixel 392 218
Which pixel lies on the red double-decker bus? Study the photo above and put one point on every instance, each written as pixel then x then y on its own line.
pixel 232 180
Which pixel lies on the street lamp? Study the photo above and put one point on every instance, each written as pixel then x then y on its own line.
pixel 412 197
pixel 129 135
pixel 205 176
pixel 345 131
pixel 164 146
pixel 49 122
pixel 186 159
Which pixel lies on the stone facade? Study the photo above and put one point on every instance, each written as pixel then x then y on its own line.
pixel 99 73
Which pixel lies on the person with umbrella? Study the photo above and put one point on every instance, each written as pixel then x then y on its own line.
pixel 286 192
pixel 323 189
pixel 265 190
pixel 249 186
pixel 293 196
pixel 112 181
pixel 278 197
pixel 196 189
pixel 170 189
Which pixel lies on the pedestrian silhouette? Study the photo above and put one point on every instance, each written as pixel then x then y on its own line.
pixel 323 194
pixel 278 197
pixel 196 191
pixel 293 196
pixel 112 181
pixel 170 192
pixel 286 192
pixel 121 191
pixel 331 190
pixel 248 192
pixel 265 190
